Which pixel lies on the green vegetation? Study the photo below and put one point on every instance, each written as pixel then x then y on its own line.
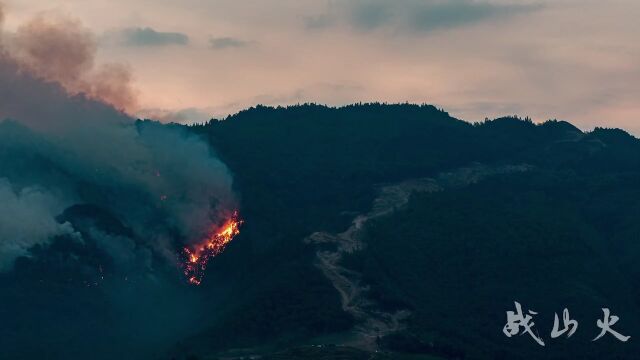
pixel 562 235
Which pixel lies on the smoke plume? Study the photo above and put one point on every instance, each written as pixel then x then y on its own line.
pixel 29 220
pixel 70 143
pixel 95 206
pixel 58 49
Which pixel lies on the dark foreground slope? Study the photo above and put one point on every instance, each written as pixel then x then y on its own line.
pixel 560 232
pixel 371 232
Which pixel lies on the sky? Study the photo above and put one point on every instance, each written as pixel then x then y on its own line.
pixel 195 59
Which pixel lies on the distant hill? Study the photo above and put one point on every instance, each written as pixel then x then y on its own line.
pixel 371 231
pixel 560 234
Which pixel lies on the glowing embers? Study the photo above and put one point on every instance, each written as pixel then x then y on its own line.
pixel 195 258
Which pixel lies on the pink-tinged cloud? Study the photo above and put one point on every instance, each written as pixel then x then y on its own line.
pixel 572 60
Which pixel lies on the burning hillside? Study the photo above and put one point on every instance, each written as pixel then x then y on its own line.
pixel 83 149
pixel 195 258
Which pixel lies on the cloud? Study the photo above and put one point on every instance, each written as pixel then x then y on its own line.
pixel 150 37
pixel 442 15
pixel 1 15
pixel 318 21
pixel 371 15
pixel 228 42
pixel 420 16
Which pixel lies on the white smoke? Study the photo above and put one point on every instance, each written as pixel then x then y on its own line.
pixel 27 218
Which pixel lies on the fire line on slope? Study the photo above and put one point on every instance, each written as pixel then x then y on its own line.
pixel 195 258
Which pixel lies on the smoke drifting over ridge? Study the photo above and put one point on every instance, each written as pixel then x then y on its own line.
pixel 68 143
pixel 62 50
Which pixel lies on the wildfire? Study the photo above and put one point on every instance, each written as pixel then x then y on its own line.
pixel 195 258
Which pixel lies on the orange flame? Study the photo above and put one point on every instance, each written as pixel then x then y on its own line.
pixel 195 258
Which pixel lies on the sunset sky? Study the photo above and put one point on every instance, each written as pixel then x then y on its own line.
pixel 193 59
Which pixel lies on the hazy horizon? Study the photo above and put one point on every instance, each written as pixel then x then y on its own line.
pixel 193 60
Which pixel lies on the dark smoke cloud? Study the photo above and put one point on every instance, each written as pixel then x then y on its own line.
pixel 29 219
pixel 58 49
pixel 21 91
pixel 67 145
pixel 94 205
pixel 112 84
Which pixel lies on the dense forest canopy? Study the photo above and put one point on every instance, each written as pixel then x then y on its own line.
pixel 558 228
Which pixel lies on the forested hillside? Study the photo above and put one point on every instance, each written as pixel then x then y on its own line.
pixel 370 231
pixel 559 234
